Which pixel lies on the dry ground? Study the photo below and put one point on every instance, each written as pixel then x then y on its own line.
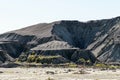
pixel 56 74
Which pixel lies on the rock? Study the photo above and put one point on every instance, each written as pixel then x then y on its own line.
pixel 50 72
pixel 1 72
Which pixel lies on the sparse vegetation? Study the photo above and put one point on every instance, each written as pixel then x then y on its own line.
pixel 81 61
pixel 72 65
pixel 100 65
pixel 103 66
pixel 31 58
pixel 39 59
pixel 112 67
pixel 49 79
pixel 46 59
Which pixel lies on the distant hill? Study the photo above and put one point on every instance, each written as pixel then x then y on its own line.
pixel 93 40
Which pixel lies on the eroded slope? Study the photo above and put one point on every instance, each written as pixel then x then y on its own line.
pixel 101 38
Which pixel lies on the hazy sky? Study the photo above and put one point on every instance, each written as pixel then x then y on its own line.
pixel 15 14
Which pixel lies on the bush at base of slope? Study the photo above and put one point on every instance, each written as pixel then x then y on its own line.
pixel 51 59
pixel 57 59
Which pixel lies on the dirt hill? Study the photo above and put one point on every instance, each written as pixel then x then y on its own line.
pixel 98 39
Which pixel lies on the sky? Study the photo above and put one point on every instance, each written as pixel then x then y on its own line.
pixel 16 14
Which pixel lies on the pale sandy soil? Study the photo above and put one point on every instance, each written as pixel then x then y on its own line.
pixel 59 74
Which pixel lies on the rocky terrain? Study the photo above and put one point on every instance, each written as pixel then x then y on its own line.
pixel 93 40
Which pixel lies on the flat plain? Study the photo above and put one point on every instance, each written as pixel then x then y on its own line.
pixel 49 73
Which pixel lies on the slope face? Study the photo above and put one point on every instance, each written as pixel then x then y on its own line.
pixel 53 45
pixel 112 55
pixel 4 57
pixel 100 37
pixel 38 30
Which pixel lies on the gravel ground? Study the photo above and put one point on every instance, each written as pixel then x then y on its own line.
pixel 57 74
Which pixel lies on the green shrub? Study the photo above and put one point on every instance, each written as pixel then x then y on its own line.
pixel 72 65
pixel 112 67
pixel 33 53
pixel 100 65
pixel 46 59
pixel 31 58
pixel 49 79
pixel 81 60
